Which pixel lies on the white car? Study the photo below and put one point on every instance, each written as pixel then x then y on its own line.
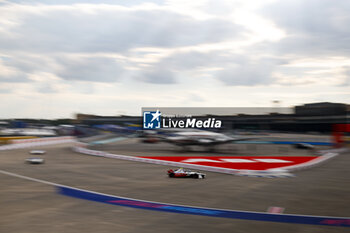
pixel 35 160
pixel 37 152
pixel 181 173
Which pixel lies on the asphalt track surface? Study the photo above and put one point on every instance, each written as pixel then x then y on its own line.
pixel 28 206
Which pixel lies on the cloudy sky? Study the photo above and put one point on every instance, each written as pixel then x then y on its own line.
pixel 109 57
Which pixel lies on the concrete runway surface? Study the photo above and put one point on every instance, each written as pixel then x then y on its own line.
pixel 27 206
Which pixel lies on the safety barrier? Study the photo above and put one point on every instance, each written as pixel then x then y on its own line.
pixel 82 149
pixel 194 210
pixel 26 143
pixel 6 140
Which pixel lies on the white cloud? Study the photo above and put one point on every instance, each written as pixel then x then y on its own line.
pixel 107 56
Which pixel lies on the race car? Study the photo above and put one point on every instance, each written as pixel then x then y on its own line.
pixel 37 152
pixel 181 173
pixel 150 140
pixel 306 146
pixel 35 160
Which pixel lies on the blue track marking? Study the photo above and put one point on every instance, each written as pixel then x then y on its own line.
pixel 234 214
pixel 311 143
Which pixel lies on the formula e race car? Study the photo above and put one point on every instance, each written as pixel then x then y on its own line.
pixel 181 173
pixel 37 152
pixel 306 146
pixel 35 161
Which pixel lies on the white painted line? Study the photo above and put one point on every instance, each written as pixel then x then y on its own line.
pixel 81 149
pixel 200 161
pixel 238 160
pixel 154 161
pixel 273 160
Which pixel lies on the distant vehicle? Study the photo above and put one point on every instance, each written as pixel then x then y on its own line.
pixel 305 146
pixel 37 152
pixel 200 138
pixel 150 140
pixel 181 173
pixel 29 132
pixel 118 129
pixel 35 160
